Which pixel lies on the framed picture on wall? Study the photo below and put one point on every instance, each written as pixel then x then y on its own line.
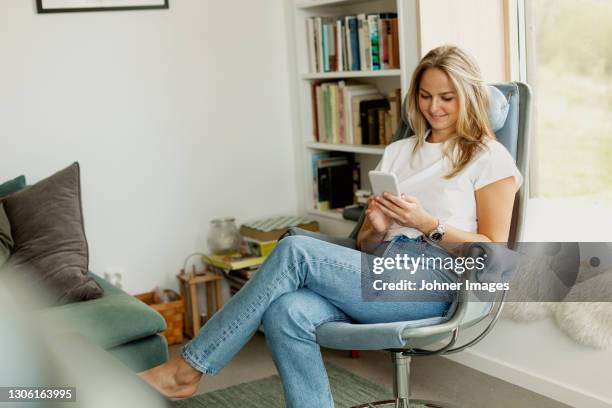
pixel 61 6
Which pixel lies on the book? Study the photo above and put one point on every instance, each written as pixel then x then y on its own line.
pixel 374 41
pixel 369 120
pixel 385 38
pixel 233 261
pixel 351 90
pixel 335 182
pixel 353 34
pixel 395 46
pixel 246 273
pixel 391 43
pixel 320 108
pixel 395 112
pixel 341 112
pixel 382 126
pixel 370 132
pixel 236 282
pixel 356 114
pixel 318 29
pixel 325 31
pixel 347 43
pixel 329 134
pixel 384 30
pixel 333 46
pixel 354 42
pixel 388 129
pixel 310 36
pixel 313 107
pixel 324 180
pixel 240 275
pixel 314 160
pixel 333 111
pixel 272 228
pixel 340 185
pixel 254 247
pixel 364 42
pixel 339 32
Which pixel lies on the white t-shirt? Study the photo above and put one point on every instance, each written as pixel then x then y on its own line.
pixel 453 200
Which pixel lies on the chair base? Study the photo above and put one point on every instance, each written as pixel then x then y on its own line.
pixel 402 404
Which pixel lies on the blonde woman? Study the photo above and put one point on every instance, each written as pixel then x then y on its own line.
pixel 458 185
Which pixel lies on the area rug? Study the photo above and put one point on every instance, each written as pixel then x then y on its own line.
pixel 347 389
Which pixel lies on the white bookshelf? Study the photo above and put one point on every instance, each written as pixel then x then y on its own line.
pixel 360 149
pixel 353 74
pixel 312 4
pixel 386 80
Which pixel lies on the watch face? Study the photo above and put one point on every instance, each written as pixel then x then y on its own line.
pixel 436 236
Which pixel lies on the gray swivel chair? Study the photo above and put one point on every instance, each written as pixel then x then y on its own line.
pixel 415 338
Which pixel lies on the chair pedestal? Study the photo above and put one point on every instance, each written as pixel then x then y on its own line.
pixel 401 388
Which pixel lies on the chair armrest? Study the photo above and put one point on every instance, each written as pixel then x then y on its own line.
pixel 500 264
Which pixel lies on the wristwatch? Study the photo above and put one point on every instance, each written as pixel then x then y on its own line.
pixel 437 233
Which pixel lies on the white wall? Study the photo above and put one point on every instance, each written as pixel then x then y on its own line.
pixel 475 25
pixel 177 116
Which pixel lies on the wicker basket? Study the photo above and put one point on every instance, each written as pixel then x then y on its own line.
pixel 172 312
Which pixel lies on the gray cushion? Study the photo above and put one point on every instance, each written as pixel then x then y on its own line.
pixel 12 186
pixel 508 133
pixel 50 246
pixel 498 108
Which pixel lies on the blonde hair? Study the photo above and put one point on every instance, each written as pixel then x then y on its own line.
pixel 473 120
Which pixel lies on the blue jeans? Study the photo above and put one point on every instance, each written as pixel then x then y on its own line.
pixel 304 283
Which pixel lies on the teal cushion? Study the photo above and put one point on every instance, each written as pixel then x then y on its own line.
pixel 12 186
pixel 6 239
pixel 142 354
pixel 114 319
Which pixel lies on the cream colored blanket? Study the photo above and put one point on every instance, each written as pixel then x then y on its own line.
pixel 588 323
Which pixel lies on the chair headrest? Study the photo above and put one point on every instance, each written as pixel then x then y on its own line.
pixel 498 108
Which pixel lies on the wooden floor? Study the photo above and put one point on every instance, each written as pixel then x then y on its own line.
pixel 434 378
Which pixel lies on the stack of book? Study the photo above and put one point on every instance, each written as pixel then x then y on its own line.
pixel 258 239
pixel 271 229
pixel 237 268
pixel 365 42
pixel 354 113
pixel 335 180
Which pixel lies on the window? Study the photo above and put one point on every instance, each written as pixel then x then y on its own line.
pixel 568 61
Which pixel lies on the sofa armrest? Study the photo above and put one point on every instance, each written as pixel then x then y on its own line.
pixel 114 319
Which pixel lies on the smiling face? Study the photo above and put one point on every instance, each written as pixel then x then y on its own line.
pixel 438 102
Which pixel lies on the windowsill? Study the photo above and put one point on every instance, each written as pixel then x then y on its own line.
pixel 568 220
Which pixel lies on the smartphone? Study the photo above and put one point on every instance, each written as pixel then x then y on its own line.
pixel 384 182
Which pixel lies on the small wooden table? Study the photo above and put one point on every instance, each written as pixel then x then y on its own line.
pixel 189 290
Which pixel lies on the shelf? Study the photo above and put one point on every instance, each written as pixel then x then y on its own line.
pixel 353 74
pixel 309 4
pixel 333 214
pixel 378 150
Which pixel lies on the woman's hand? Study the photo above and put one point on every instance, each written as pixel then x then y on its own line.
pixel 378 220
pixel 406 211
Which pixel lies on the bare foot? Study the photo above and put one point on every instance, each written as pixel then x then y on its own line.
pixel 174 379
